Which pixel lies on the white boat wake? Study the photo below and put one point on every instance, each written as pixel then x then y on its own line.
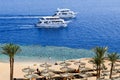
pixel 18 17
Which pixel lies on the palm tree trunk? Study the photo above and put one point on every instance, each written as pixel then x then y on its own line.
pixel 111 71
pixel 97 72
pixel 11 68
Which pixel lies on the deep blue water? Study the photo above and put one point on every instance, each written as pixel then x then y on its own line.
pixel 86 31
pixel 96 24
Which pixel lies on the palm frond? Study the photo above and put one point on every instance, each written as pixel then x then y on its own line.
pixel 10 49
pixel 113 57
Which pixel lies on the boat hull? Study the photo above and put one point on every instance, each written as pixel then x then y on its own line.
pixel 51 25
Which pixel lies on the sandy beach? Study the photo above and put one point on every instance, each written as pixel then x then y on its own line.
pixel 18 66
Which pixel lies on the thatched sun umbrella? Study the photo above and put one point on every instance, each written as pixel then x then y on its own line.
pixel 46 70
pixel 66 69
pixel 65 64
pixel 48 74
pixel 45 65
pixel 80 64
pixel 28 70
pixel 31 76
pixel 66 75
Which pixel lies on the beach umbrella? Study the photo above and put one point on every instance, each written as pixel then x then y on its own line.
pixel 47 74
pixel 79 63
pixel 45 65
pixel 83 75
pixel 30 76
pixel 118 70
pixel 65 64
pixel 66 75
pixel 116 64
pixel 94 65
pixel 90 62
pixel 66 69
pixel 28 70
pixel 105 72
pixel 46 70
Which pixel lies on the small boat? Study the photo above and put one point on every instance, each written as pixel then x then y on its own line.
pixel 65 13
pixel 51 22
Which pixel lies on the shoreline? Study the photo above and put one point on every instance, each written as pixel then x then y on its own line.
pixel 52 61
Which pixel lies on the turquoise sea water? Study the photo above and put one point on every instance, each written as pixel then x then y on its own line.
pixel 96 24
pixel 37 53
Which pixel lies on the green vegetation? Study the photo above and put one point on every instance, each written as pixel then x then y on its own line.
pixel 10 50
pixel 98 59
pixel 112 58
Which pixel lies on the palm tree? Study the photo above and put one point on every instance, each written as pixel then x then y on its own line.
pixel 98 59
pixel 11 50
pixel 95 61
pixel 113 58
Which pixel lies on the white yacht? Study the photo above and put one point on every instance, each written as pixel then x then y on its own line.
pixel 65 13
pixel 51 22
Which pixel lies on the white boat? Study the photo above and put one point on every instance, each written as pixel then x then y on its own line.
pixel 65 13
pixel 51 22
